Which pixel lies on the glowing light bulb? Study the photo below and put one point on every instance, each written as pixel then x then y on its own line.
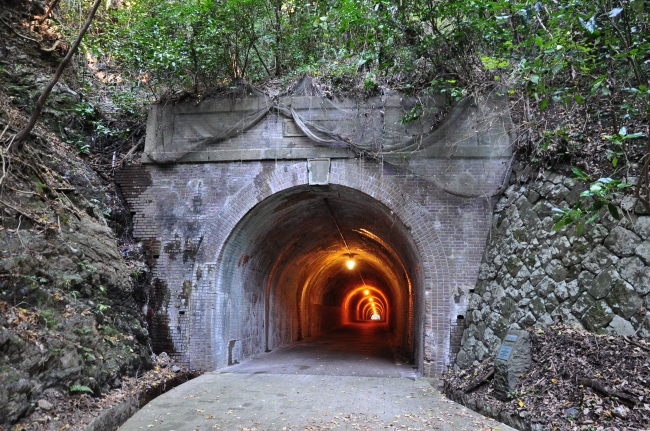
pixel 366 292
pixel 350 263
pixel 371 300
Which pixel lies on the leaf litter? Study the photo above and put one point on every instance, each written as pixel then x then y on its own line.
pixel 578 381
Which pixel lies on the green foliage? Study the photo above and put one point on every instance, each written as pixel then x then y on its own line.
pixel 80 388
pixel 85 266
pixel 600 194
pixel 618 140
pixel 570 66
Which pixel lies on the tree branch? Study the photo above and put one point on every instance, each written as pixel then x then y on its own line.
pixel 22 136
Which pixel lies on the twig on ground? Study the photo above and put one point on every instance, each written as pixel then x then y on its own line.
pixel 20 219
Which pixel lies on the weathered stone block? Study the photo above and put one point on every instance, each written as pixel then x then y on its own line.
pixel 537 307
pixel 624 300
pixel 561 291
pixel 622 242
pixel 620 326
pixel 537 276
pixel 580 249
pixel 545 287
pixel 527 320
pixel 556 270
pixel 603 282
pixel 585 279
pixel 514 264
pixel 544 320
pixel 643 251
pixel 533 196
pixel 597 316
pixel 487 272
pixel 634 271
pixel 573 288
pixel 522 276
pixel 642 226
pixel 600 258
pixel 564 314
pixel 551 302
pixel 582 304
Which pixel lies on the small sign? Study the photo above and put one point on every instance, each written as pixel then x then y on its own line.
pixel 504 353
pixel 511 337
pixel 319 171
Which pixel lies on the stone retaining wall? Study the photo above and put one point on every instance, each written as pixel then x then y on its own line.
pixel 533 276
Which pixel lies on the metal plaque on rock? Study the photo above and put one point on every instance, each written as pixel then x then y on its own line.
pixel 504 353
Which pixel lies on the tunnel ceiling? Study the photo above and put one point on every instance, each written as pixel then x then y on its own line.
pixel 300 230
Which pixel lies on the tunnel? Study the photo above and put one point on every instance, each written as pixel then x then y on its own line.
pixel 311 259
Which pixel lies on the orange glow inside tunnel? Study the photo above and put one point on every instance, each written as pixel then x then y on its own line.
pixel 368 300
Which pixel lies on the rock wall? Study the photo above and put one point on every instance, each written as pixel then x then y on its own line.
pixel 534 276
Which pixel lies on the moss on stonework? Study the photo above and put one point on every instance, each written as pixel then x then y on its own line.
pixel 514 265
pixel 530 260
pixel 519 234
pixel 508 308
pixel 501 327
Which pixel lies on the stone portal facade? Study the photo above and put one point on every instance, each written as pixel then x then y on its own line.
pixel 189 214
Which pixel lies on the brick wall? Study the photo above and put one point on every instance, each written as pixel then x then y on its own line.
pixel 186 216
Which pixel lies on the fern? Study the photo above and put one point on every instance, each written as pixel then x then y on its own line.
pixel 80 388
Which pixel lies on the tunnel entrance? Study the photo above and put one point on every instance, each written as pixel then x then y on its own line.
pixel 315 260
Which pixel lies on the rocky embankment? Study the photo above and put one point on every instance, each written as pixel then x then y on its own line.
pixel 535 276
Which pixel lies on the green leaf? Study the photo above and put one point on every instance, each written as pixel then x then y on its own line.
pixel 560 224
pixel 580 228
pixel 543 105
pixel 534 78
pixel 580 175
pixel 80 388
pixel 613 211
pixel 590 24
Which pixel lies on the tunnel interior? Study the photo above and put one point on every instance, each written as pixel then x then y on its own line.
pixel 311 259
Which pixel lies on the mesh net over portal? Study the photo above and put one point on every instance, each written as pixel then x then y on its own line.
pixel 456 154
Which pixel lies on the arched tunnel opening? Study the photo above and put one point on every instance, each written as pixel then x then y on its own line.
pixel 310 260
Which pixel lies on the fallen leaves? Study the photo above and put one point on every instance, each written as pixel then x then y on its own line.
pixel 577 379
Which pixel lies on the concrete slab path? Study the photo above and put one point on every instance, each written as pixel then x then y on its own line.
pixel 347 379
pixel 355 349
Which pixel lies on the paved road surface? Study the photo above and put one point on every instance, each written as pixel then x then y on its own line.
pixel 348 379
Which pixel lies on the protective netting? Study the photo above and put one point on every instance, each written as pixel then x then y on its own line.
pixel 466 153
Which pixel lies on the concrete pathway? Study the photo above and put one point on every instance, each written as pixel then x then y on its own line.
pixel 348 379
pixel 356 349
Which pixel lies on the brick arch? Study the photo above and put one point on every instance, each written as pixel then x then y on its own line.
pixel 435 275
